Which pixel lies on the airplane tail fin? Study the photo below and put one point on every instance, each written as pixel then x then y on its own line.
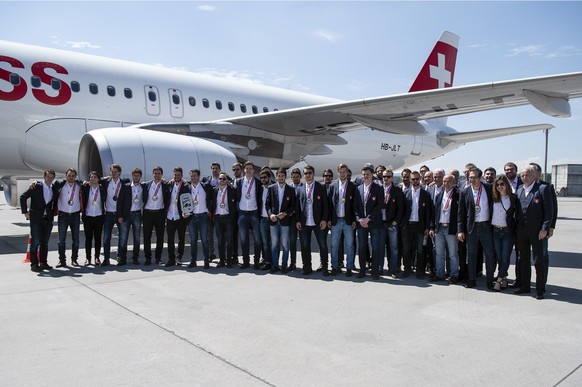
pixel 439 69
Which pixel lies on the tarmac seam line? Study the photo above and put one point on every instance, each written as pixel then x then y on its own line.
pixel 567 376
pixel 218 357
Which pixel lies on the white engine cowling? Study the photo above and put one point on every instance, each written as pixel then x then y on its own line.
pixel 138 148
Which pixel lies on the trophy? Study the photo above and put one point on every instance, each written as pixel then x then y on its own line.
pixel 186 203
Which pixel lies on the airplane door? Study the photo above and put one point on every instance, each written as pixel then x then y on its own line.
pixel 417 147
pixel 176 106
pixel 152 100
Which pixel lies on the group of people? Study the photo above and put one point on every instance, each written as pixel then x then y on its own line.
pixel 429 224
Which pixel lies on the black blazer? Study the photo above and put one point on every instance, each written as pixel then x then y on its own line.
pixel 554 200
pixel 453 211
pixel 466 216
pixel 425 209
pixel 37 203
pixel 373 207
pixel 511 212
pixel 320 204
pixel 536 210
pixel 395 205
pixel 256 187
pixel 88 201
pixel 350 202
pixel 229 200
pixel 288 205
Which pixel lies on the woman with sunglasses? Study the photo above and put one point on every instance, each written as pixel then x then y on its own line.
pixel 503 222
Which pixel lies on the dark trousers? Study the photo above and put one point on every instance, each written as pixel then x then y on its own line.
pixel 377 239
pixel 293 241
pixel 93 227
pixel 153 220
pixel 40 234
pixel 321 237
pixel 135 224
pixel 412 239
pixel 172 226
pixel 483 233
pixel 526 246
pixel 224 236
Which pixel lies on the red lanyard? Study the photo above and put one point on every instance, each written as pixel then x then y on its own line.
pixel 479 195
pixel 387 193
pixel 448 199
pixel 95 195
pixel 72 194
pixel 367 194
pixel 117 187
pixel 344 190
pixel 248 195
pixel 196 197
pixel 223 197
pixel 157 189
pixel 309 191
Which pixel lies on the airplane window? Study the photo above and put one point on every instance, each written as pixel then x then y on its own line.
pixel 75 86
pixel 15 79
pixel 176 99
pixel 152 96
pixel 243 108
pixel 275 110
pixel 128 93
pixel 93 88
pixel 255 110
pixel 56 84
pixel 35 81
pixel 265 110
pixel 218 105
pixel 231 106
pixel 205 103
pixel 111 91
pixel 192 101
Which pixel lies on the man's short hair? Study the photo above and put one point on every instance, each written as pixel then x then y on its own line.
pixel 158 168
pixel 196 171
pixel 71 170
pixel 406 170
pixel 249 162
pixel 368 168
pixel 308 168
pixel 477 171
pixel 137 170
pixel 116 166
pixel 215 164
pixel 296 170
pixel 282 170
pixel 511 164
pixel 179 169
pixel 490 169
pixel 49 171
pixel 342 165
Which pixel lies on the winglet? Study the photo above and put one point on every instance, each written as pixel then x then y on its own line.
pixel 439 69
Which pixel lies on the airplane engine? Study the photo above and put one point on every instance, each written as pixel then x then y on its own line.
pixel 139 148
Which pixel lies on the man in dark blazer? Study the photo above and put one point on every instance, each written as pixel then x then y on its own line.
pixel 534 220
pixel 293 232
pixel 370 202
pixel 248 195
pixel 312 216
pixel 155 198
pixel 40 215
pixel 444 230
pixel 392 213
pixel 474 225
pixel 343 200
pixel 415 225
pixel 175 220
pixel 280 206
pixel 68 205
pixel 93 216
pixel 223 210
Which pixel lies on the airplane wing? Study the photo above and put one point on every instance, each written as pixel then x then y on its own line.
pixel 400 113
pixel 478 135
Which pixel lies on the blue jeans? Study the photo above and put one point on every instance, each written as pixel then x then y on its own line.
pixel 481 232
pixel 198 226
pixel 266 240
pixel 503 240
pixel 377 240
pixel 66 221
pixel 40 234
pixel 135 223
pixel 392 247
pixel 122 230
pixel 246 220
pixel 279 237
pixel 443 243
pixel 345 229
pixel 224 236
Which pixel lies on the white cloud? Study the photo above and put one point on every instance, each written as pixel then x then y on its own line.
pixel 565 51
pixel 206 7
pixel 531 50
pixel 327 35
pixel 80 45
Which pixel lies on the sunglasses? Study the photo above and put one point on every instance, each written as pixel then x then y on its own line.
pixel 387 177
pixel 308 173
pixel 500 184
pixel 222 178
pixel 327 175
pixel 415 178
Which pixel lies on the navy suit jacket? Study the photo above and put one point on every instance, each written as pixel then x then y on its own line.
pixel 319 203
pixel 350 202
pixel 453 211
pixel 536 211
pixel 425 209
pixel 395 205
pixel 256 187
pixel 37 204
pixel 373 207
pixel 229 200
pixel 466 216
pixel 288 205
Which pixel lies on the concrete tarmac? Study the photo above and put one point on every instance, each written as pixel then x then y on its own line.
pixel 142 326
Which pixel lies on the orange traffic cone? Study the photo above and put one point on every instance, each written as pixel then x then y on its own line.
pixel 27 259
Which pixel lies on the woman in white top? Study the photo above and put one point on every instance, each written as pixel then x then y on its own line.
pixel 503 222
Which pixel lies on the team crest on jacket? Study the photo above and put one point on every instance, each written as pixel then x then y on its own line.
pixel 373 198
pixel 318 197
pixel 537 201
pixel 288 198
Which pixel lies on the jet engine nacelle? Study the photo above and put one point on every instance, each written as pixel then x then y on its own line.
pixel 139 148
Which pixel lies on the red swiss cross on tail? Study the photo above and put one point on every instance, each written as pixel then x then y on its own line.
pixel 439 69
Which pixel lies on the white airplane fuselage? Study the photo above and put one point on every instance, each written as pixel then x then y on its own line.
pixel 50 98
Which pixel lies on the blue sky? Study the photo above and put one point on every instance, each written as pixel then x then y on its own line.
pixel 346 50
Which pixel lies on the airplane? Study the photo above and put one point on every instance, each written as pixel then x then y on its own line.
pixel 60 109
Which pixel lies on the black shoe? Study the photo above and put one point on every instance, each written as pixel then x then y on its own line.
pixel 307 271
pixel 540 295
pixel 245 265
pixel 45 266
pixel 453 280
pixel 291 268
pixel 334 272
pixel 178 260
pixel 283 270
pixel 170 263
pixel 376 276
pixel 135 261
pixel 147 262
pixel 206 264
pixel 325 272
pixel 436 279
pixel 74 263
pixel 515 285
pixel 220 264
pixel 267 267
pixel 274 269
pixel 349 273
pixel 105 262
pixel 256 266
pixel 61 264
pixel 192 264
pixel 320 268
pixel 405 274
pixel 470 284
pixel 121 262
pixel 521 291
pixel 212 258
pixel 362 273
pixel 158 261
pixel 490 285
pixel 36 268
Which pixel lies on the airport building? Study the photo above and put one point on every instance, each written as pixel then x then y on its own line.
pixel 567 179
